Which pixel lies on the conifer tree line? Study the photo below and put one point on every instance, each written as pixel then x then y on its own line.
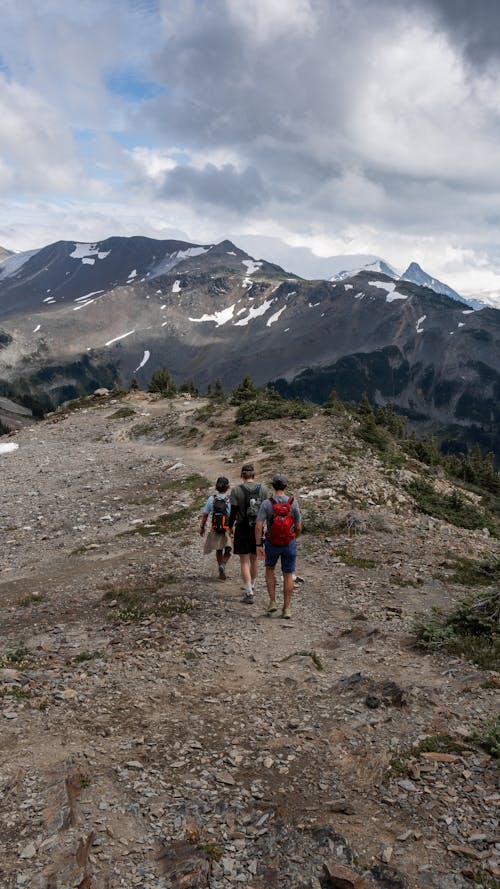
pixel 380 426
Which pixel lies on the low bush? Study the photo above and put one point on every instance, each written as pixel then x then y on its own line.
pixel 488 736
pixel 454 508
pixel 471 630
pixel 470 572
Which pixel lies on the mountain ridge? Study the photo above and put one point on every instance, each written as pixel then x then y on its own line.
pixel 77 316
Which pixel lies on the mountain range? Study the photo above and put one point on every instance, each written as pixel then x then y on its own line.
pixel 77 316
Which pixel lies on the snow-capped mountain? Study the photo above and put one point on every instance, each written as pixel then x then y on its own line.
pixel 77 316
pixel 416 274
pixel 379 266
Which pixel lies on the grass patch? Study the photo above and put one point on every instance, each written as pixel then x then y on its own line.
pixel 471 630
pixel 140 604
pixel 87 656
pixel 454 508
pixel 167 523
pixel 488 736
pixel 439 743
pixel 122 413
pixel 31 599
pixel 212 850
pixel 20 694
pixel 15 659
pixel 311 654
pixel 471 572
pixel 346 555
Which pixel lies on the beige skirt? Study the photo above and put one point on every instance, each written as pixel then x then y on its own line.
pixel 215 541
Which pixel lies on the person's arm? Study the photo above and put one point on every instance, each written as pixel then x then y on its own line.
pixel 297 519
pixel 259 535
pixel 207 509
pixel 232 516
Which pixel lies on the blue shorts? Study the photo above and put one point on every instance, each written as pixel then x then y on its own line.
pixel 287 553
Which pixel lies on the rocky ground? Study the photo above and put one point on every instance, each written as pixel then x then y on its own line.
pixel 157 732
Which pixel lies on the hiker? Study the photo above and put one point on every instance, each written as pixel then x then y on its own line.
pixel 246 499
pixel 281 514
pixel 218 507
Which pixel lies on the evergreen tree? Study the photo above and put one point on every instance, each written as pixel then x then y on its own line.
pixel 162 382
pixel 134 385
pixel 219 394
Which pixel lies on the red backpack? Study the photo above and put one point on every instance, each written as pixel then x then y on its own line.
pixel 281 531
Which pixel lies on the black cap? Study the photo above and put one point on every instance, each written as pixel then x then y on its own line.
pixel 279 481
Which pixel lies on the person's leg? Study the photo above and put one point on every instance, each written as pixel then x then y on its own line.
pixel 219 554
pixel 254 567
pixel 246 577
pixel 288 560
pixel 271 557
pixel 287 590
pixel 271 583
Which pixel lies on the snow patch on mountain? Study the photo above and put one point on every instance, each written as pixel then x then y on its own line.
pixel 252 265
pixel 85 252
pixel 176 286
pixel 220 318
pixel 273 318
pixel 254 312
pixel 122 337
pixel 145 359
pixel 8 447
pixel 172 259
pixel 420 321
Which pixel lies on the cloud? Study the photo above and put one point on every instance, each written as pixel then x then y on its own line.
pixel 36 151
pixel 369 125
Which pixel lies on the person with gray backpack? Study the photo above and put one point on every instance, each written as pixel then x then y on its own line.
pixel 245 500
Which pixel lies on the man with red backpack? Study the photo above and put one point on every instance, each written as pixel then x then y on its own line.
pixel 281 514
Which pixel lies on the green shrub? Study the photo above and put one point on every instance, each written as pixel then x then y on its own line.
pixel 123 413
pixel 162 382
pixel 454 508
pixel 469 572
pixel 271 408
pixel 488 736
pixel 471 630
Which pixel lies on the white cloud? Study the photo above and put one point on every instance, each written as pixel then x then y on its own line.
pixel 36 149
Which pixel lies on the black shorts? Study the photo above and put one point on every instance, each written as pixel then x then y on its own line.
pixel 244 539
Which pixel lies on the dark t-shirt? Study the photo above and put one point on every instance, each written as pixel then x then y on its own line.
pixel 239 500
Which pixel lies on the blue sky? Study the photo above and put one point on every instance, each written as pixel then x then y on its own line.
pixel 340 126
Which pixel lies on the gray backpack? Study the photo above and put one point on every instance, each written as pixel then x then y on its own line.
pixel 252 504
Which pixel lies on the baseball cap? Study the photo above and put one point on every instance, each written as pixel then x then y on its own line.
pixel 279 481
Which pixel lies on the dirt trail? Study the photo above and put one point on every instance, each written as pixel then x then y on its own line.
pixel 158 732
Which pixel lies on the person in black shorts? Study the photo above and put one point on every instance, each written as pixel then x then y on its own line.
pixel 245 503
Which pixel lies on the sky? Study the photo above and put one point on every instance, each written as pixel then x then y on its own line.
pixel 333 126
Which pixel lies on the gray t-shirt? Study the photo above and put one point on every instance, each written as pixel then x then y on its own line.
pixel 266 511
pixel 238 498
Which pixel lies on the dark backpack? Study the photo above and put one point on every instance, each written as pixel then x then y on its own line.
pixel 219 515
pixel 252 504
pixel 281 530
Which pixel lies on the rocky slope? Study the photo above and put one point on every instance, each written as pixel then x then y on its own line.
pixel 157 732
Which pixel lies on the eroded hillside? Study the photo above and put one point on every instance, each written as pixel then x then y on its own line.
pixel 157 732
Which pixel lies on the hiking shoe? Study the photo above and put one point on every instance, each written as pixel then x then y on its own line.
pixel 222 572
pixel 272 607
pixel 248 598
pixel 286 614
